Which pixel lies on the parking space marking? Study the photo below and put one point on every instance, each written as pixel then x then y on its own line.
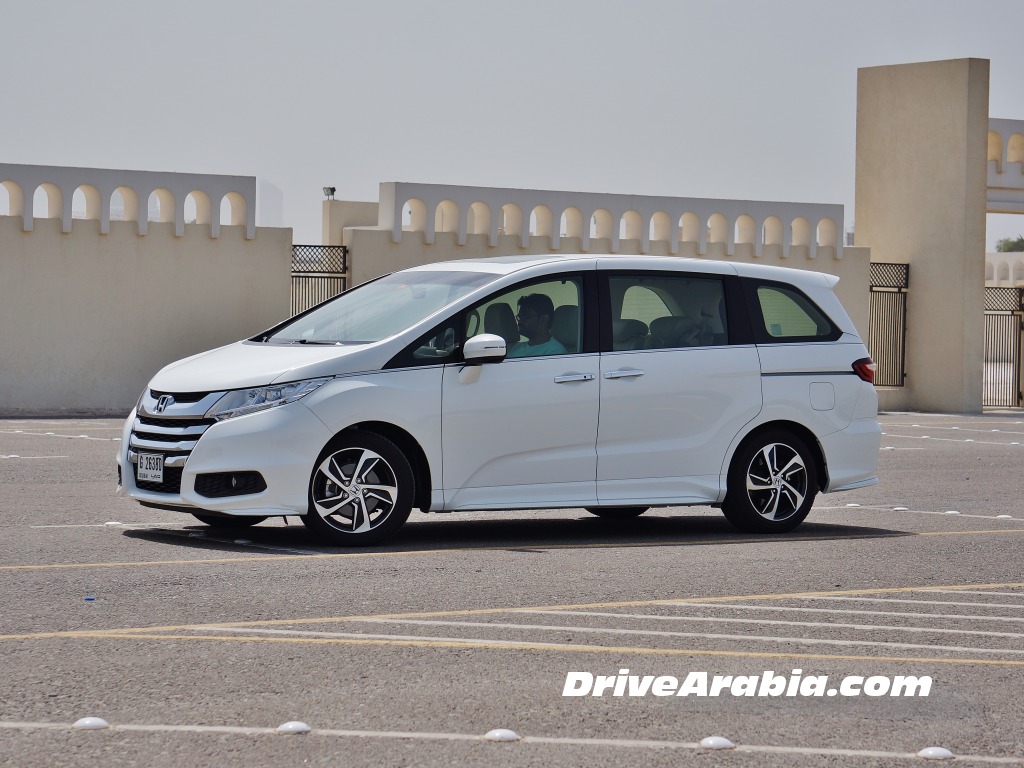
pixel 34 457
pixel 973 592
pixel 779 622
pixel 915 602
pixel 553 741
pixel 854 612
pixel 422 642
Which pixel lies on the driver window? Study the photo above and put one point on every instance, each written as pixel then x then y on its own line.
pixel 536 319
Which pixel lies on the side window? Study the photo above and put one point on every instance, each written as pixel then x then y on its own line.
pixel 540 318
pixel 667 312
pixel 789 315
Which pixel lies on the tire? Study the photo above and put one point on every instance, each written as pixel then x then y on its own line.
pixel 772 484
pixel 361 490
pixel 225 521
pixel 617 513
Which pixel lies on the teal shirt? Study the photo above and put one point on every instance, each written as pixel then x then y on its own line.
pixel 550 347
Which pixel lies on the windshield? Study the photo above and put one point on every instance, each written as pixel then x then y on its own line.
pixel 381 308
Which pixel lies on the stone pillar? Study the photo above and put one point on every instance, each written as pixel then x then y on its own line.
pixel 922 138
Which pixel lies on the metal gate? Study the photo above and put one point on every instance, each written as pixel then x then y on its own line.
pixel 1004 324
pixel 319 272
pixel 887 328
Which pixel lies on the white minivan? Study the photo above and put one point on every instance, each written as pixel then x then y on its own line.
pixel 611 383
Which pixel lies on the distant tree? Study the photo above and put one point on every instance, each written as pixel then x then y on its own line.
pixel 1010 244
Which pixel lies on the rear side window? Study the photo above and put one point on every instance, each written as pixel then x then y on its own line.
pixel 787 315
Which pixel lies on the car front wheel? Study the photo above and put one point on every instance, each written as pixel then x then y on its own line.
pixel 772 484
pixel 361 490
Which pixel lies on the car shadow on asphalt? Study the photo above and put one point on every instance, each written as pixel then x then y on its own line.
pixel 514 533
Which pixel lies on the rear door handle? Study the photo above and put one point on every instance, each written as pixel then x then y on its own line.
pixel 574 377
pixel 627 374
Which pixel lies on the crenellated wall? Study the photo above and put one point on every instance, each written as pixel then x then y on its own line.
pixel 421 223
pixel 91 309
pixel 135 190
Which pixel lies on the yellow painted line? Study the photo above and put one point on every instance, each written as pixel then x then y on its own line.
pixel 490 611
pixel 510 547
pixel 483 645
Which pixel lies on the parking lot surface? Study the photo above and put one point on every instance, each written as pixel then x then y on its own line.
pixel 195 644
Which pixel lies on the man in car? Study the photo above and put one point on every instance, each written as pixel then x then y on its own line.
pixel 536 311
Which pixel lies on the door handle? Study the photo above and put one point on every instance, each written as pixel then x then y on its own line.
pixel 574 377
pixel 627 374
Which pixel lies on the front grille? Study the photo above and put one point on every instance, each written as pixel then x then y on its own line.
pixel 171 483
pixel 149 421
pixel 171 434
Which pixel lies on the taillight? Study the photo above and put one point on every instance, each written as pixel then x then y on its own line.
pixel 865 368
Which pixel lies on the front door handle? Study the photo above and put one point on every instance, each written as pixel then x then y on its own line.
pixel 574 377
pixel 627 374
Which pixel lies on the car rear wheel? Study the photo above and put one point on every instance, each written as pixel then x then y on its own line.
pixel 361 490
pixel 772 484
pixel 228 521
pixel 617 513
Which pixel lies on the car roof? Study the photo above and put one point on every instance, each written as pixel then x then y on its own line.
pixel 503 265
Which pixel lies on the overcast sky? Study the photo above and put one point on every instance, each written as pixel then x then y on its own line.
pixel 747 99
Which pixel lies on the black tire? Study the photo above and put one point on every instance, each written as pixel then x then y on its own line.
pixel 617 513
pixel 772 483
pixel 361 490
pixel 227 521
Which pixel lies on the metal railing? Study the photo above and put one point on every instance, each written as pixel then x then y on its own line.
pixel 319 272
pixel 1004 326
pixel 887 328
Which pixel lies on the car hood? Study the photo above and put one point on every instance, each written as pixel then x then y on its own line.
pixel 253 364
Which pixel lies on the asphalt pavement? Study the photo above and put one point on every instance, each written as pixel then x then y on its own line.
pixel 195 645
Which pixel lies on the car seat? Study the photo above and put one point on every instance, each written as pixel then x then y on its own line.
pixel 565 326
pixel 500 320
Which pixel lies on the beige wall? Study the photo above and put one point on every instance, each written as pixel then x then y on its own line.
pixel 86 319
pixel 373 252
pixel 921 195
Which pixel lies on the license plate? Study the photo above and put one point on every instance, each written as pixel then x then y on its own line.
pixel 151 468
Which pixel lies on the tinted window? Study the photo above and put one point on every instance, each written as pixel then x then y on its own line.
pixel 789 315
pixel 667 311
pixel 540 318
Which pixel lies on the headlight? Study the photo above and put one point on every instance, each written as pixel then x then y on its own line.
pixel 243 401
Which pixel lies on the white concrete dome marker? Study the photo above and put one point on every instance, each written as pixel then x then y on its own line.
pixel 294 726
pixel 501 734
pixel 952 512
pixel 900 509
pixel 716 742
pixel 91 724
pixel 936 753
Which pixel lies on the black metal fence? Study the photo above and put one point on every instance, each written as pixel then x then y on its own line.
pixel 887 325
pixel 1004 325
pixel 319 272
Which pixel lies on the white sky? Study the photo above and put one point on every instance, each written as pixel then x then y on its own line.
pixel 744 99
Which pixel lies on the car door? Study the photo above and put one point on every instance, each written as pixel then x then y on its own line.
pixel 523 432
pixel 679 381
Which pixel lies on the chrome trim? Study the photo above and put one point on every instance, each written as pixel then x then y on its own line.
pixel 574 377
pixel 196 410
pixel 624 374
pixel 195 431
pixel 158 446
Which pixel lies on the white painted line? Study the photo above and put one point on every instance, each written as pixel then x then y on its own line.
pixel 852 611
pixel 778 622
pixel 702 635
pixel 52 434
pixel 545 740
pixel 904 600
pixel 34 457
pixel 974 592
pixel 91 525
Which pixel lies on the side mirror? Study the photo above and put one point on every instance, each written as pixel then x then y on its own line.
pixel 484 348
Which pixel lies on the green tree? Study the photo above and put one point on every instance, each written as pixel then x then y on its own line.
pixel 1008 244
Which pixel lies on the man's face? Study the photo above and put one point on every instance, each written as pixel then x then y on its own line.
pixel 531 324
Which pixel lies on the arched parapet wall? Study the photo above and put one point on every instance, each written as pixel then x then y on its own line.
pixel 1004 270
pixel 1005 166
pixel 681 222
pixel 99 184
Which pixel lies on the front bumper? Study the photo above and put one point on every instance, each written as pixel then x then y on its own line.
pixel 282 444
